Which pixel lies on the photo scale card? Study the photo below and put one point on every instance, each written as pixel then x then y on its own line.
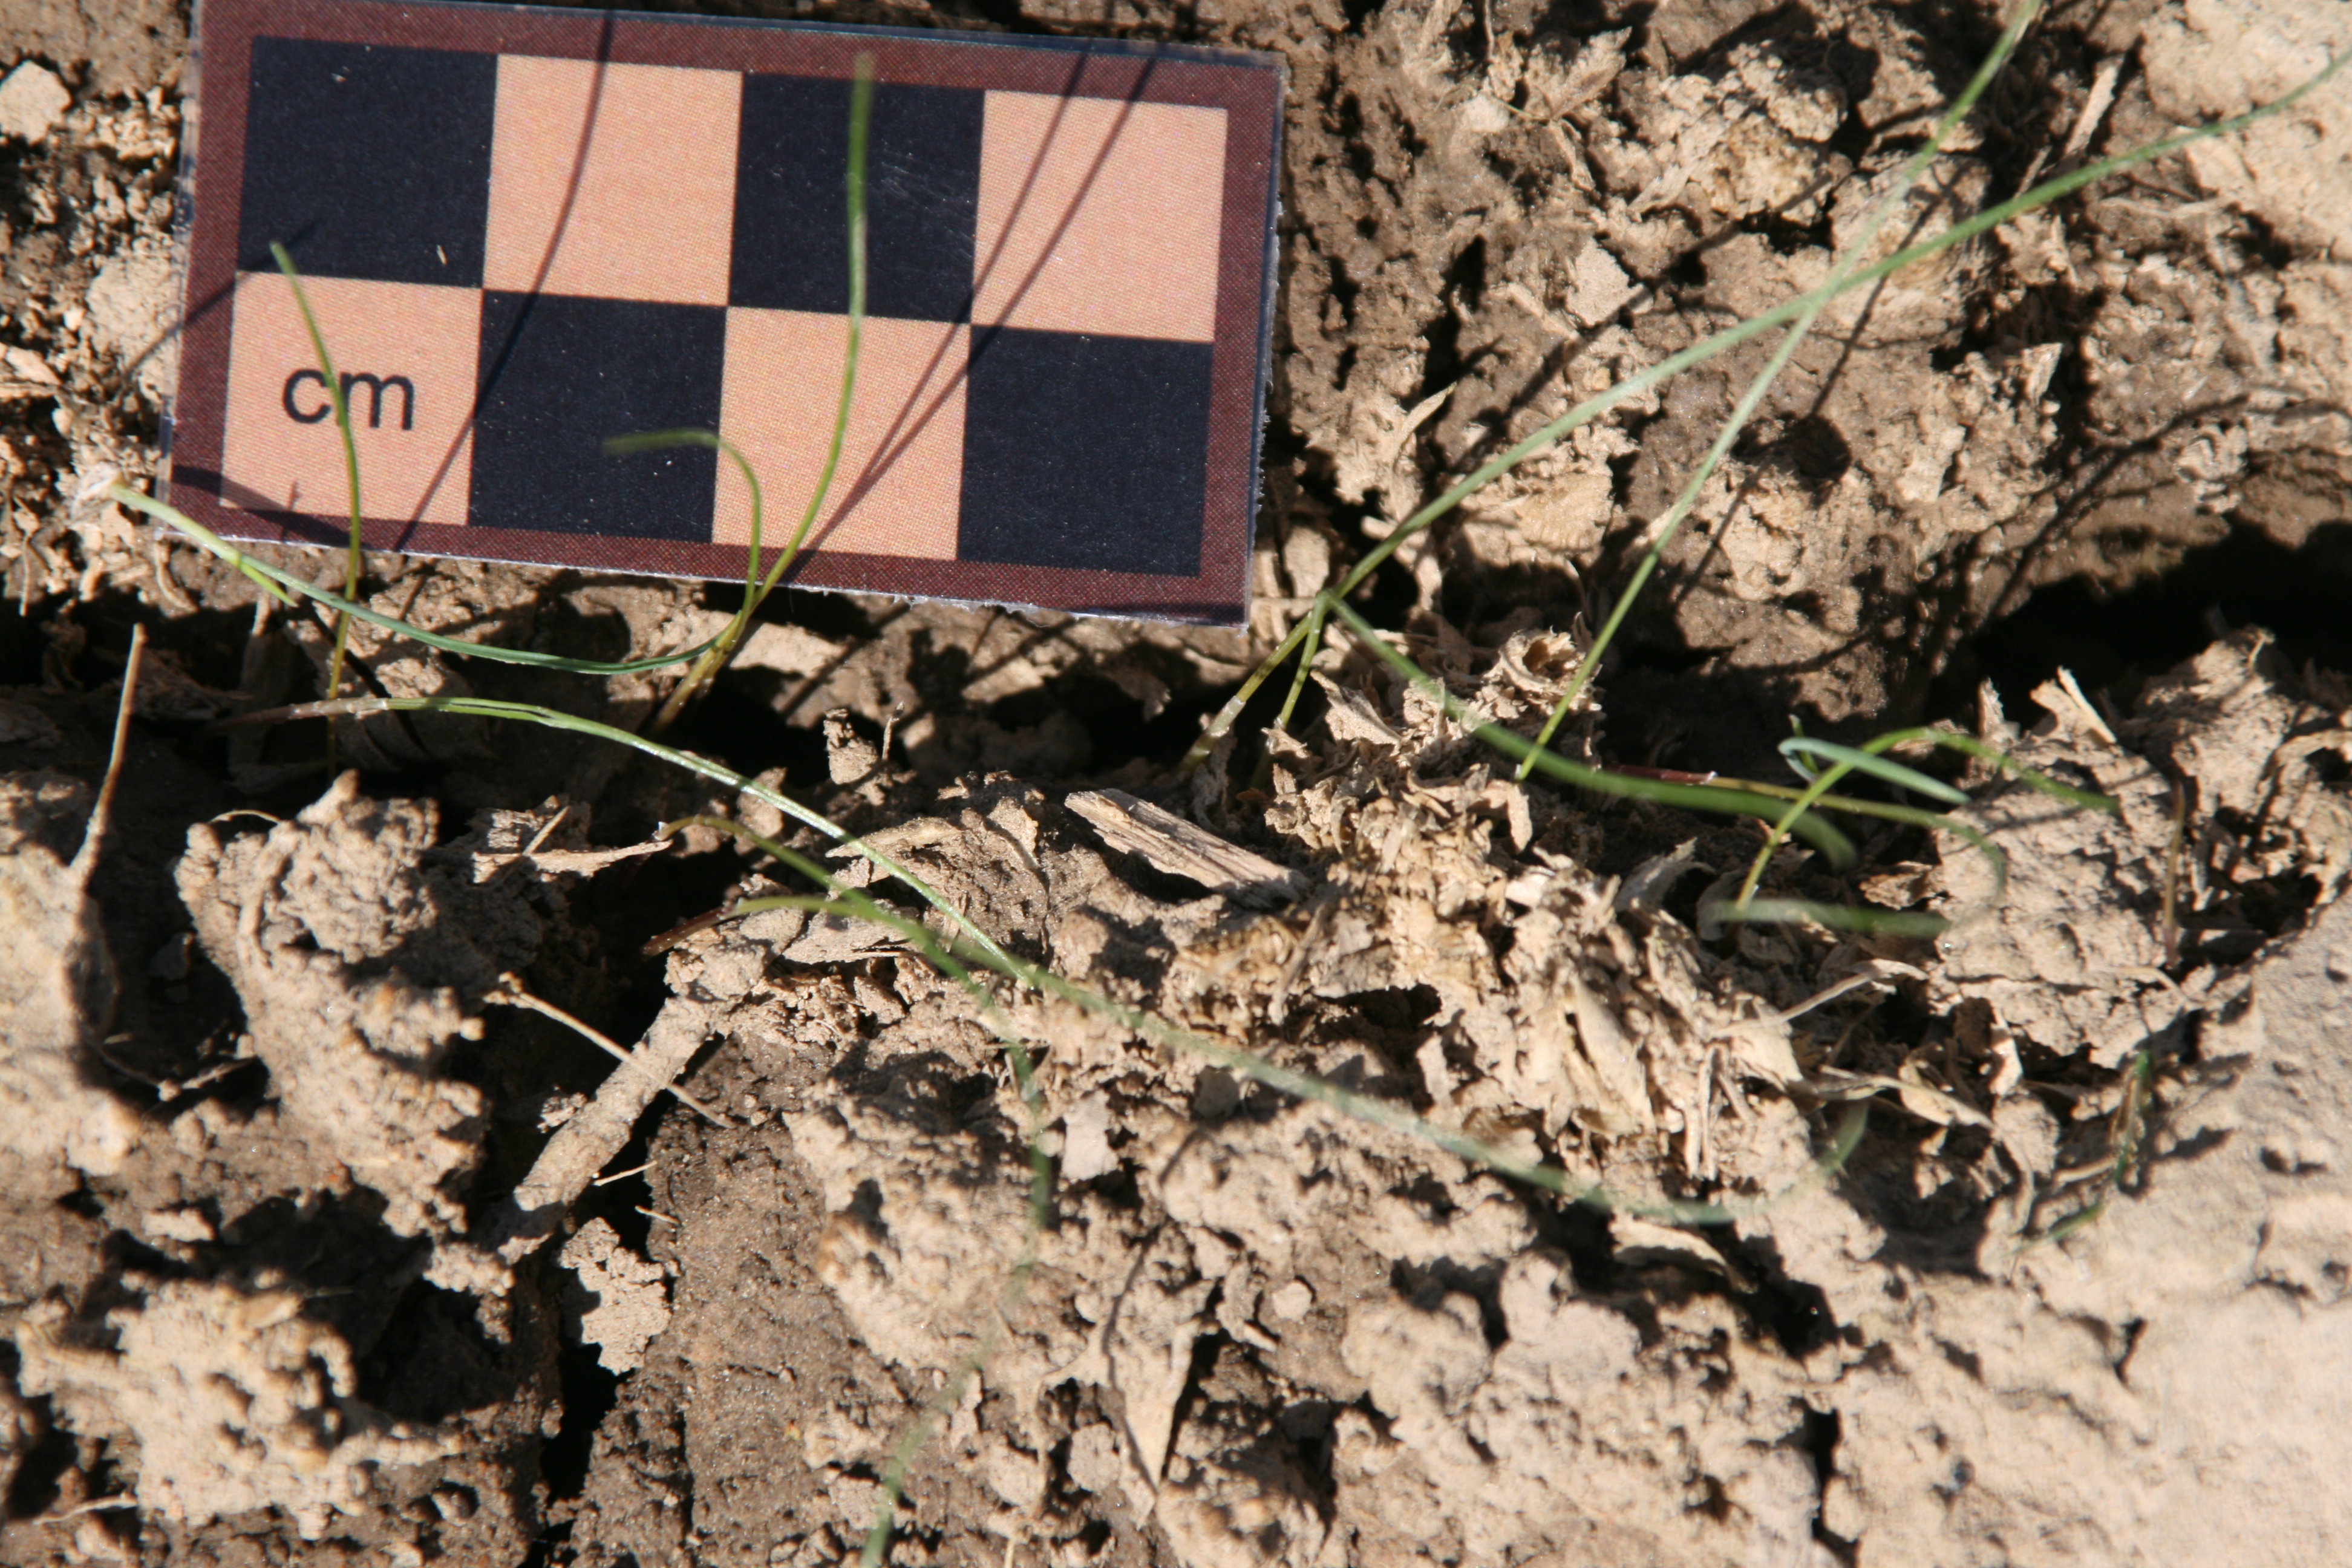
pixel 524 231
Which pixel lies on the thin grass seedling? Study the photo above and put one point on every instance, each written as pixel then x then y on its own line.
pixel 957 961
pixel 756 587
pixel 966 950
pixel 707 657
pixel 973 948
pixel 1866 758
pixel 1897 192
pixel 855 903
pixel 556 719
pixel 277 581
pixel 340 401
pixel 959 958
pixel 1744 797
pixel 1708 348
pixel 1661 791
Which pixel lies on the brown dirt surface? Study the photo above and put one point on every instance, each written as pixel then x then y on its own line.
pixel 324 1243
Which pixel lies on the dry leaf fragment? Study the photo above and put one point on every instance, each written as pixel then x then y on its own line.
pixel 1614 1055
pixel 1639 1241
pixel 1169 843
pixel 1353 716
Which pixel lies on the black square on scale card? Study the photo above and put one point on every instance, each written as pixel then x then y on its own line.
pixel 922 198
pixel 1086 451
pixel 368 161
pixel 561 374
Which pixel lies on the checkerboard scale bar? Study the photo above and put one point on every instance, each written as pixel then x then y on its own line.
pixel 524 231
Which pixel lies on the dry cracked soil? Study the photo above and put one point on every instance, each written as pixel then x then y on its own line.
pixel 319 1247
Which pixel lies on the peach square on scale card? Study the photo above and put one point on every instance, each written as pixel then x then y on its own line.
pixel 1099 216
pixel 898 488
pixel 406 353
pixel 613 180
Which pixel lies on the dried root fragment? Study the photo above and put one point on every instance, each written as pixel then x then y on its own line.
pixel 587 1143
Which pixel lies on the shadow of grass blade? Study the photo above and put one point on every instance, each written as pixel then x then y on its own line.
pixel 340 401
pixel 757 587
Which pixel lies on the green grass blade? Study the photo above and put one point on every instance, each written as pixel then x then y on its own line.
pixel 739 625
pixel 1695 797
pixel 861 114
pixel 1314 623
pixel 756 588
pixel 1839 268
pixel 1741 907
pixel 1249 1063
pixel 1717 342
pixel 853 902
pixel 1968 745
pixel 1304 1086
pixel 660 440
pixel 1681 509
pixel 556 719
pixel 1858 917
pixel 1867 754
pixel 1396 1118
pixel 1746 799
pixel 1845 760
pixel 277 580
pixel 266 577
pixel 340 402
pixel 1878 767
pixel 976 948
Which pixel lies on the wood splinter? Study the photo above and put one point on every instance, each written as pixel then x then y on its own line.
pixel 1168 843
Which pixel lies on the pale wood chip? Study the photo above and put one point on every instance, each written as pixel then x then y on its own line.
pixel 1169 843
